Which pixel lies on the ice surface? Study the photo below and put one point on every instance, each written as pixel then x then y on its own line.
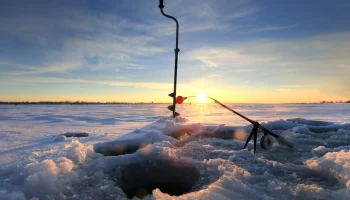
pixel 131 142
pixel 334 164
pixel 38 162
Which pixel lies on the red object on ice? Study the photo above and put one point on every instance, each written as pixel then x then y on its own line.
pixel 179 99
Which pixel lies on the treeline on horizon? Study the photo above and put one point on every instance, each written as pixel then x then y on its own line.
pixel 69 102
pixel 335 102
pixel 88 102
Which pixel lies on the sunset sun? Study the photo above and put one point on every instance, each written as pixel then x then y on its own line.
pixel 202 98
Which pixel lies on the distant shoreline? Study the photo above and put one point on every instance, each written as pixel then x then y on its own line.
pixel 134 103
pixel 74 103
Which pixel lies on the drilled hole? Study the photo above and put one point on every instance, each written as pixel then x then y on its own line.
pixel 174 178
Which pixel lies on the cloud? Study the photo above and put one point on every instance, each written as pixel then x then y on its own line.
pixel 318 52
pixel 152 85
pixel 318 63
pixel 251 29
pixel 282 89
pixel 43 33
pixel 134 66
pixel 203 15
pixel 245 12
pixel 288 88
pixel 218 16
pixel 223 57
pixel 53 67
pixel 64 42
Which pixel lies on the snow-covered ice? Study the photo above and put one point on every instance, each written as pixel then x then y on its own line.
pixel 39 162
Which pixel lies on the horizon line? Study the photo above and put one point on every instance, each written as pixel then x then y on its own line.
pixel 124 102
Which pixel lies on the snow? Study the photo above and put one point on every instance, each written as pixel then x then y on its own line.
pixel 335 164
pixel 39 162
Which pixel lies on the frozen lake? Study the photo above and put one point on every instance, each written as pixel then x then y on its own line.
pixel 34 163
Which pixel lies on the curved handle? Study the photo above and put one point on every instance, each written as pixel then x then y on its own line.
pixel 161 5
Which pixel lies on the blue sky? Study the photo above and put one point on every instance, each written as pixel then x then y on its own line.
pixel 236 51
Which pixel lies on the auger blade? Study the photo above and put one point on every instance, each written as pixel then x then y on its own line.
pixel 171 107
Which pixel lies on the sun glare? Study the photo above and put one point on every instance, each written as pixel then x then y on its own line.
pixel 202 98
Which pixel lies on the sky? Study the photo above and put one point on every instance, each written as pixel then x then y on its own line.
pixel 238 51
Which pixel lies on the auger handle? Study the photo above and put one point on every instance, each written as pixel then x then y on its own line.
pixel 161 4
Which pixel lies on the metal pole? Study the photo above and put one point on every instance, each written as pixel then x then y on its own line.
pixel 161 6
pixel 246 118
